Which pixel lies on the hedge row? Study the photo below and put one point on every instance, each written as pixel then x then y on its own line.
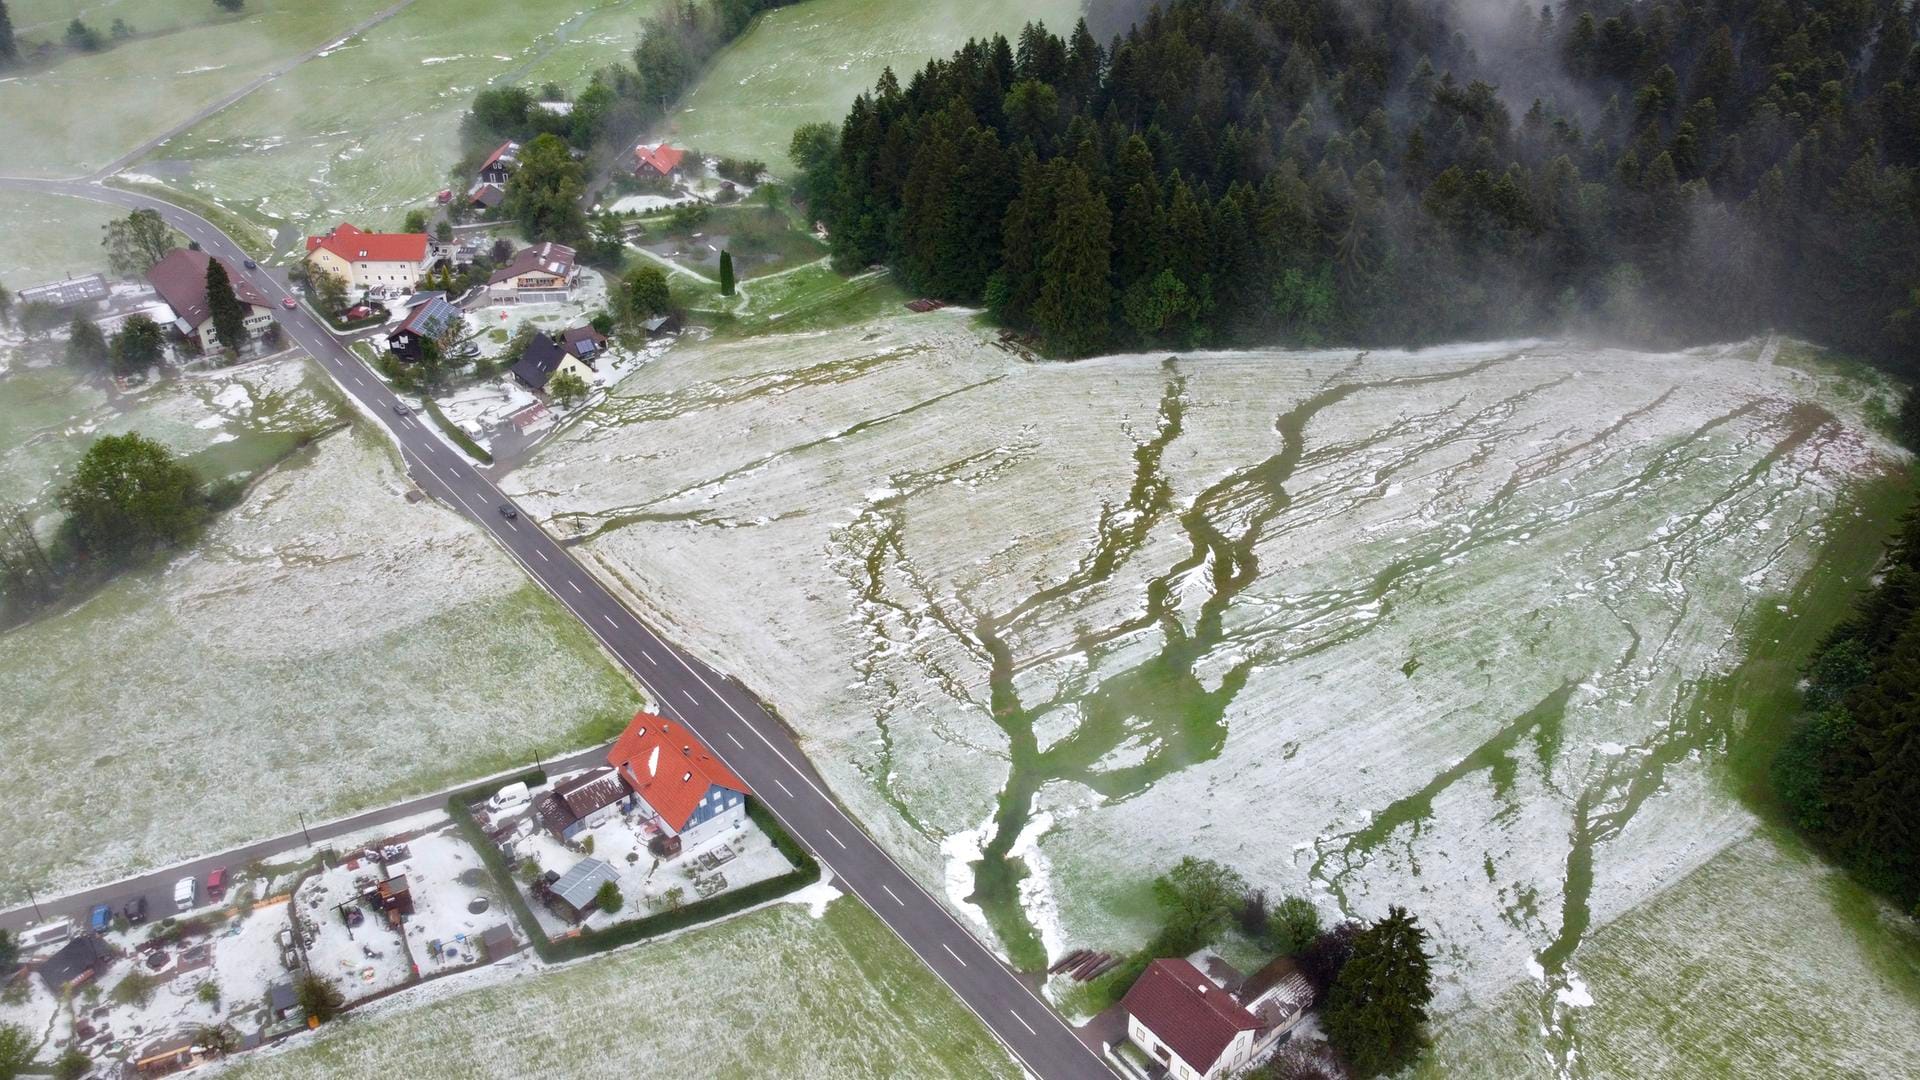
pixel 805 872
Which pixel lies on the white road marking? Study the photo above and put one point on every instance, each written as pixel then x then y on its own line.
pixel 784 787
pixel 950 952
pixel 650 658
pixel 542 554
pixel 688 694
pixel 1016 1016
pixel 897 900
pixel 836 839
pixel 610 621
pixel 574 585
pixel 736 742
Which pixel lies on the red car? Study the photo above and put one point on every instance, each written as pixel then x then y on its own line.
pixel 217 883
pixel 445 196
pixel 287 302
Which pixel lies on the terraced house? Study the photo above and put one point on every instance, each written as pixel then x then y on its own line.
pixel 365 260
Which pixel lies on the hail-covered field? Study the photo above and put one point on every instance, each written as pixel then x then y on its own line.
pixel 370 128
pixel 805 64
pixel 82 110
pixel 1427 628
pixel 771 993
pixel 325 647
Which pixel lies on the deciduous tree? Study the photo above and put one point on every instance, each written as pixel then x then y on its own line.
pixel 127 495
pixel 86 345
pixel 134 243
pixel 544 193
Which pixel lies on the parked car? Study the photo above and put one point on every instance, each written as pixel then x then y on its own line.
pixel 186 892
pixel 101 919
pixel 135 910
pixel 217 883
pixel 286 302
pixel 445 196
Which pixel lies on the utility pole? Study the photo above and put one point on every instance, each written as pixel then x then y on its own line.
pixel 303 827
pixel 37 916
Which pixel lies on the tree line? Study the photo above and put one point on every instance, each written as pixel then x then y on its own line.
pixel 1320 170
pixel 1849 776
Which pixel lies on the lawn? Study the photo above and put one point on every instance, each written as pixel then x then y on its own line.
pixel 46 237
pixel 326 647
pixel 806 63
pixel 762 243
pixel 82 110
pixel 371 129
pixel 771 993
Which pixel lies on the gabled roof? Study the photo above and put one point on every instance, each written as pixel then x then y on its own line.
pixel 508 154
pixel 82 955
pixel 662 761
pixel 181 280
pixel 1195 1018
pixel 488 195
pixel 539 362
pixel 356 245
pixel 434 318
pixel 578 885
pixel 662 157
pixel 591 791
pixel 584 340
pixel 542 258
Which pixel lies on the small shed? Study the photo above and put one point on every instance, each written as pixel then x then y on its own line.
pixel 498 942
pixel 573 896
pixel 170 1054
pixel 282 999
pixel 394 895
pixel 661 324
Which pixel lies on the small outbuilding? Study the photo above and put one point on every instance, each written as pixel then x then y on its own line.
pixel 576 805
pixel 576 894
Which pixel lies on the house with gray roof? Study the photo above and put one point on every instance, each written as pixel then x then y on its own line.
pixel 573 896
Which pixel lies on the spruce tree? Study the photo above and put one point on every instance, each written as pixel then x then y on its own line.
pixel 229 317
pixel 1379 1001
pixel 9 52
pixel 726 273
pixel 1076 298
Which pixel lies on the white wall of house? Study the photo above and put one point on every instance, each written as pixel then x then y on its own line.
pixel 257 319
pixel 1236 1056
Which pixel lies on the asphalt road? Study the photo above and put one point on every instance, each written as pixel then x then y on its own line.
pixel 721 713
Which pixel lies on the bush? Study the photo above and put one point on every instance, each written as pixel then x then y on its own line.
pixel 608 898
pixel 135 989
pixel 740 170
pixel 71 1065
pixel 1291 926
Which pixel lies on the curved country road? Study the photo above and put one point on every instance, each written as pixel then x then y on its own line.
pixel 722 713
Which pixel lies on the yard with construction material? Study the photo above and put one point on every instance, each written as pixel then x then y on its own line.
pixel 1451 616
pixel 836 997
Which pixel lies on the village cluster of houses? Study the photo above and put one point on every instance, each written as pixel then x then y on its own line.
pixel 656 161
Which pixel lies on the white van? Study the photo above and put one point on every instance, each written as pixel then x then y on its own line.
pixel 185 892
pixel 512 795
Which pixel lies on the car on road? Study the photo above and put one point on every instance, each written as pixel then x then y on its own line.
pixel 217 883
pixel 401 408
pixel 286 302
pixel 250 264
pixel 135 911
pixel 185 892
pixel 507 511
pixel 102 918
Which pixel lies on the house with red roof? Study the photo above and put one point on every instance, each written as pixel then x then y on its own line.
pixel 365 259
pixel 1197 1029
pixel 658 160
pixel 691 795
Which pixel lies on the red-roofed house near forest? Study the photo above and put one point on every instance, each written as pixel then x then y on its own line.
pixel 660 160
pixel 363 259
pixel 1196 1030
pixel 690 794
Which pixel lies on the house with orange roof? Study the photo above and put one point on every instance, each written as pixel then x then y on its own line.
pixel 366 259
pixel 658 160
pixel 690 794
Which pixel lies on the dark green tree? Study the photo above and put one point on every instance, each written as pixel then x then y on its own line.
pixel 1072 309
pixel 86 345
pixel 6 306
pixel 1198 898
pixel 319 998
pixel 1292 924
pixel 415 222
pixel 9 50
pixel 72 1064
pixel 815 152
pixel 229 5
pixel 1377 1009
pixel 129 495
pixel 228 314
pixel 644 294
pixel 83 37
pixel 16 1050
pixel 544 193
pixel 726 273
pixel 608 899
pixel 26 577
pixel 567 387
